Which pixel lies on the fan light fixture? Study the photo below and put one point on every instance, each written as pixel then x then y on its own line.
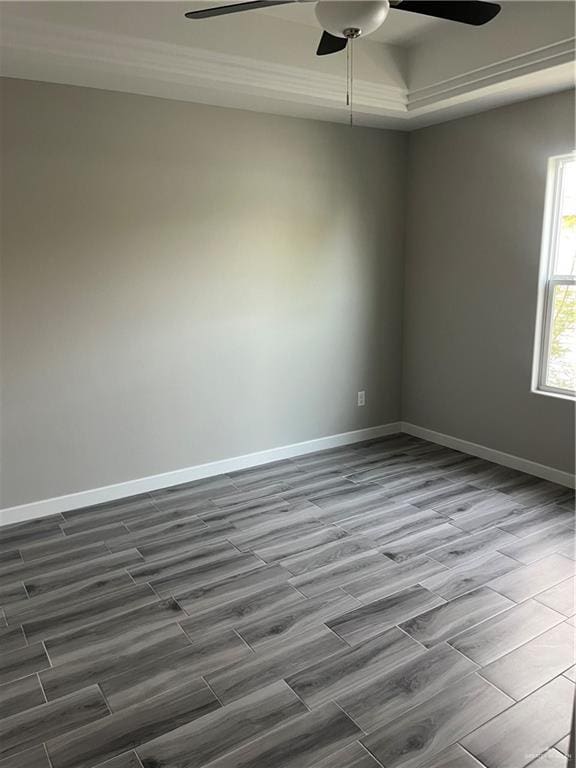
pixel 351 19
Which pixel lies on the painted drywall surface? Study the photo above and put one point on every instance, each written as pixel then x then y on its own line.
pixel 476 197
pixel 185 283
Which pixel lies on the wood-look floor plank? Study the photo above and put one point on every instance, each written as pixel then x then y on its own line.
pixel 486 513
pixel 391 694
pixel 236 498
pixel 412 740
pixel 221 649
pixel 353 756
pixel 454 757
pixel 400 520
pixel 253 513
pixel 479 503
pixel 351 500
pixel 394 578
pixel 10 556
pixel 256 476
pixel 528 581
pixel 552 758
pixel 351 668
pixel 515 737
pixel 20 695
pixel 34 726
pixel 454 494
pixel 168 565
pixel 127 760
pixel 561 597
pixel 283 659
pixel 339 573
pixel 51 602
pixel 22 662
pixel 297 618
pixel 536 519
pixel 19 535
pixel 154 532
pixel 206 596
pixel 487 475
pixel 44 581
pixel 12 592
pixel 346 547
pixel 119 653
pixel 422 542
pixel 417 487
pixel 530 490
pixel 222 731
pixel 62 544
pixel 300 743
pixel 242 610
pixel 212 569
pixel 538 545
pixel 98 741
pixel 11 638
pixel 99 514
pixel 311 546
pixel 173 546
pixel 455 616
pixel 31 758
pixel 469 575
pixel 160 517
pixel 92 641
pixel 358 625
pixel 20 571
pixel 505 632
pixel 533 664
pixel 83 614
pixel 276 531
pixel 471 547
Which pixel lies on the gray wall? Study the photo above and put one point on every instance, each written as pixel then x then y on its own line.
pixel 184 283
pixel 476 196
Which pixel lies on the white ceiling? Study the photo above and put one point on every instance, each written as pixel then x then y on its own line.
pixel 414 71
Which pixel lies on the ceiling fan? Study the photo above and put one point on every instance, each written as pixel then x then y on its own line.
pixel 343 21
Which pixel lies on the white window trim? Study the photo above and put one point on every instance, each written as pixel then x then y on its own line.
pixel 546 281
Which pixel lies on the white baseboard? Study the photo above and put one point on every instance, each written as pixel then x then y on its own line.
pixel 58 504
pixel 498 457
pixel 88 498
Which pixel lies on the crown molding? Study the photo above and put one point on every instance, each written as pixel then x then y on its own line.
pixel 72 51
pixel 527 63
pixel 36 50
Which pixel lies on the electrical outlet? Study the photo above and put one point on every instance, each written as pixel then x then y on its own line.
pixel 361 398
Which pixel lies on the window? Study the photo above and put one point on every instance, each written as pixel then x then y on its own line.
pixel 555 348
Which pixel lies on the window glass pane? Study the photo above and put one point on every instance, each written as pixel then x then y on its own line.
pixel 561 370
pixel 566 245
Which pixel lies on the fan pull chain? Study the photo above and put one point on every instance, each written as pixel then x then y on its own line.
pixel 350 78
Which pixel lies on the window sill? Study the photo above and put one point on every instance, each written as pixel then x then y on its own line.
pixel 557 395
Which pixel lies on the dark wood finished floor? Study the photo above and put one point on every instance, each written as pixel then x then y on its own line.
pixel 393 603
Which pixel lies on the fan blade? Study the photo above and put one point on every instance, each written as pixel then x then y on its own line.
pixel 330 44
pixel 472 12
pixel 224 10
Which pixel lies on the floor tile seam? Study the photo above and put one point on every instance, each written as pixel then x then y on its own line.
pixel 514 702
pixel 535 690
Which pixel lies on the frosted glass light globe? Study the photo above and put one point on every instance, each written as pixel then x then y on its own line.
pixel 337 17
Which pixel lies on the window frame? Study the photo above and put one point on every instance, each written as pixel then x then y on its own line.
pixel 548 279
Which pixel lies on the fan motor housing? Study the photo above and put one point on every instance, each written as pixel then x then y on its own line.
pixel 361 18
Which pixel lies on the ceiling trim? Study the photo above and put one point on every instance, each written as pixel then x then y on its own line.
pixel 164 62
pixel 36 50
pixel 525 63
